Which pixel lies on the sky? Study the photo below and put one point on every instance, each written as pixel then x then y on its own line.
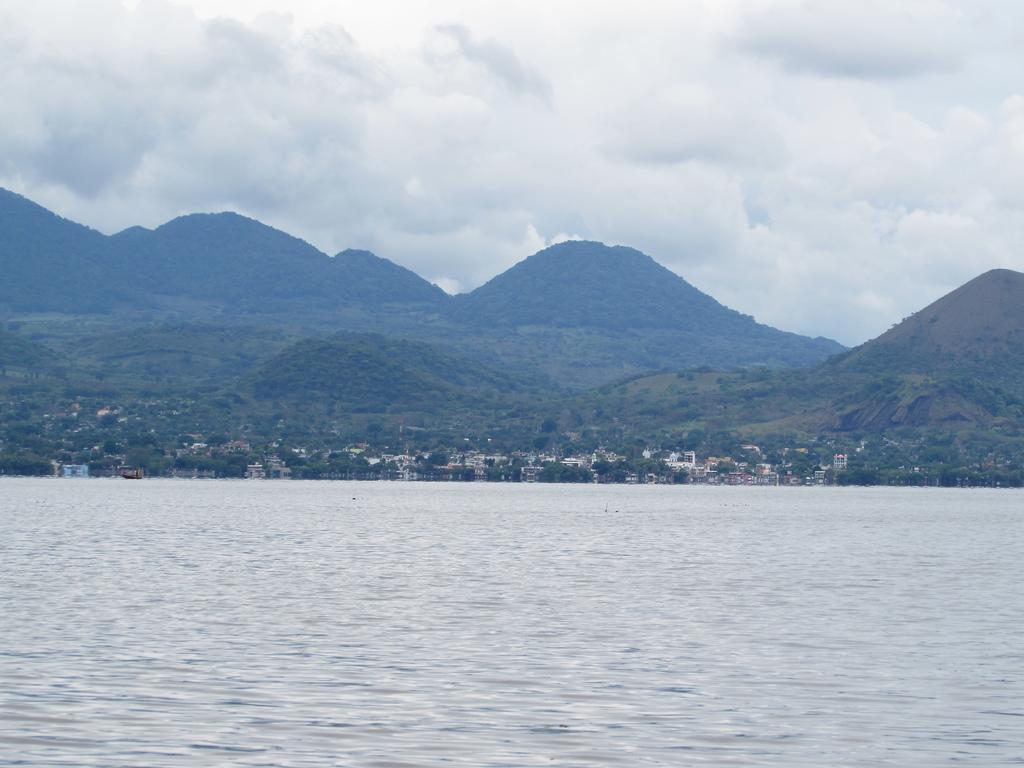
pixel 828 167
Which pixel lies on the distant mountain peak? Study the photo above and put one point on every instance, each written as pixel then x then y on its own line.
pixel 133 231
pixel 999 283
pixel 595 252
pixel 586 290
pixel 981 320
pixel 585 283
pixel 357 253
pixel 227 224
pixel 222 218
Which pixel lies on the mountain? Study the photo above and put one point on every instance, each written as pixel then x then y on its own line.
pixel 979 327
pixel 50 264
pixel 582 284
pixel 960 359
pixel 193 268
pixel 579 314
pixel 597 312
pixel 245 266
pixel 955 366
pixel 223 257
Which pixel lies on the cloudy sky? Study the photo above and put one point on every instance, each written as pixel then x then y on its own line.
pixel 827 167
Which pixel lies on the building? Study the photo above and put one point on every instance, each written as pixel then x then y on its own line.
pixel 255 472
pixel 682 460
pixel 277 470
pixel 530 474
pixel 737 478
pixel 839 461
pixel 193 474
pixel 74 470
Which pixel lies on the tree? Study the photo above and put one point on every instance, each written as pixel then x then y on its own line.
pixel 437 459
pixel 24 464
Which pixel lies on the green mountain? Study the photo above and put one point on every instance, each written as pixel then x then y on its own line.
pixel 592 312
pixel 582 284
pixel 50 264
pixel 577 314
pixel 239 265
pixel 196 267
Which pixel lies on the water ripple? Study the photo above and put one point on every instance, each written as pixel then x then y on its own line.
pixel 169 623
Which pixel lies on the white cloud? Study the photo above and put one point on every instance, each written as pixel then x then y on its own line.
pixel 498 60
pixel 872 39
pixel 691 122
pixel 827 167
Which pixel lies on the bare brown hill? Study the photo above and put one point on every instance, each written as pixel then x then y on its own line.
pixel 979 323
pixel 957 364
pixel 960 360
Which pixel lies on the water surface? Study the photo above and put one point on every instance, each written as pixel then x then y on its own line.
pixel 194 623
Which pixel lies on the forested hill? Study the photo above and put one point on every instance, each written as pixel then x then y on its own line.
pixel 368 372
pixel 586 293
pixel 20 354
pixel 49 263
pixel 193 267
pixel 248 266
pixel 578 313
pixel 592 285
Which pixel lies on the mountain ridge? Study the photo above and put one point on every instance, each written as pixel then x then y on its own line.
pixel 580 312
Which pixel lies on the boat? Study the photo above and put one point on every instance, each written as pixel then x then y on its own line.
pixel 132 473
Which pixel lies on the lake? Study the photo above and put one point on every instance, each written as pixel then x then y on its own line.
pixel 288 623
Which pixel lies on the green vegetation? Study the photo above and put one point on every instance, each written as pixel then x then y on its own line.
pixel 20 356
pixel 576 314
pixel 594 313
pixel 356 373
pixel 219 332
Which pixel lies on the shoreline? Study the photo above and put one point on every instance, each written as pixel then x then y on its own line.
pixel 471 483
